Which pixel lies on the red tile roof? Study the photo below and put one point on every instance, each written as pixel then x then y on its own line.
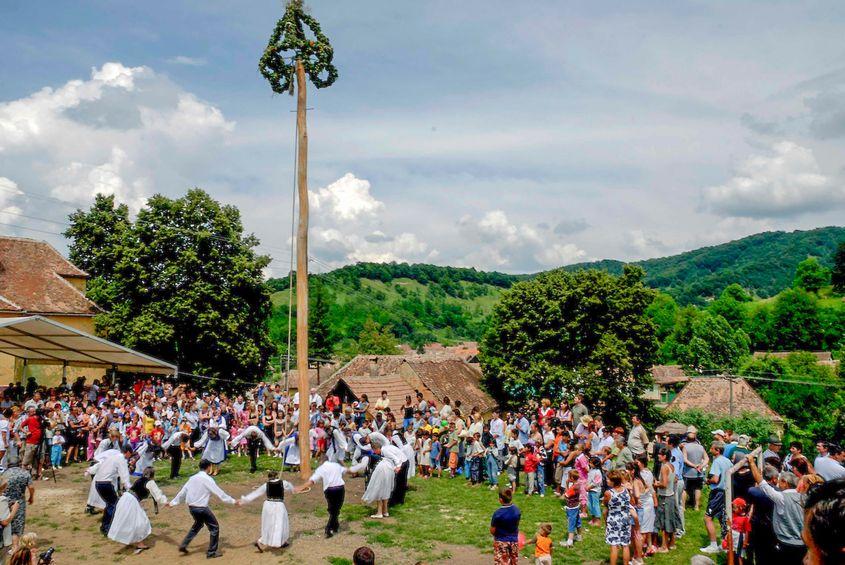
pixel 456 379
pixel 668 374
pixel 34 280
pixel 711 395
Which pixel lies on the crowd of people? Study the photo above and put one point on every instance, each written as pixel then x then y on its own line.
pixel 636 485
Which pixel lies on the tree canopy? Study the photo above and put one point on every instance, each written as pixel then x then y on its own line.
pixel 811 275
pixel 562 333
pixel 182 282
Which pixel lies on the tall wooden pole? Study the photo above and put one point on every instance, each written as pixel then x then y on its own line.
pixel 302 276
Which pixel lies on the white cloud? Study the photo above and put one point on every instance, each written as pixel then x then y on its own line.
pixel 785 183
pixel 126 131
pixel 188 61
pixel 347 198
pixel 9 192
pixel 496 242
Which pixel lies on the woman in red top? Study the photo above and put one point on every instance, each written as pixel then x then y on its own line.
pixel 545 412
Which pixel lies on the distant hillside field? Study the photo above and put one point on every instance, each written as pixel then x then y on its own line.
pixel 424 303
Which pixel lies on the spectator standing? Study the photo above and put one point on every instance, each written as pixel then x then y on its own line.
pixel 762 538
pixel 695 461
pixel 504 527
pixel 21 491
pixel 788 515
pixel 717 479
pixel 637 437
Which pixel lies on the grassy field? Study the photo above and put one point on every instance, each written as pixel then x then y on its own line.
pixel 451 512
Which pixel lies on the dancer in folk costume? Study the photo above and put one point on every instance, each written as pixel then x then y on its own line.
pixel 213 442
pixel 334 489
pixel 131 524
pixel 337 445
pixel 112 467
pixel 196 494
pixel 407 447
pixel 145 455
pixel 290 447
pixel 400 463
pixel 275 526
pixel 381 481
pixel 254 437
pixel 173 447
pixel 95 501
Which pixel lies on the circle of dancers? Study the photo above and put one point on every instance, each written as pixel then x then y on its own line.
pixel 386 465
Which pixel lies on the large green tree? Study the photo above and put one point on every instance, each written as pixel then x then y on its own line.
pixel 562 333
pixel 714 345
pixel 796 324
pixel 811 275
pixel 182 282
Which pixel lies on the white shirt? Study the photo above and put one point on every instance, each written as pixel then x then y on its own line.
pixel 253 430
pixel 497 430
pixel 828 468
pixel 330 473
pixel 198 490
pixel 113 465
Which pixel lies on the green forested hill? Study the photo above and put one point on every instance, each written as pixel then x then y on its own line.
pixel 424 303
pixel 764 264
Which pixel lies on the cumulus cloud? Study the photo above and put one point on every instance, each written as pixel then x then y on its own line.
pixel 349 227
pixel 348 198
pixel 641 244
pixel 9 192
pixel 126 131
pixel 786 182
pixel 571 226
pixel 498 243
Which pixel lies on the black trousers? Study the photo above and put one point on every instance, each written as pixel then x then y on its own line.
pixel 175 452
pixel 790 554
pixel 252 446
pixel 106 491
pixel 203 516
pixel 763 543
pixel 334 501
pixel 400 486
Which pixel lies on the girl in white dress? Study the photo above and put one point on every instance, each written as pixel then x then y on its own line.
pixel 131 524
pixel 275 527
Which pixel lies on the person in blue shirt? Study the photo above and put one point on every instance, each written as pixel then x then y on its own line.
pixel 677 460
pixel 717 480
pixel 504 527
pixel 524 426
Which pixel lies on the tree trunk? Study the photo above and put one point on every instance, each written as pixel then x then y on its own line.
pixel 302 276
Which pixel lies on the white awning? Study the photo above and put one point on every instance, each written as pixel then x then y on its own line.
pixel 42 341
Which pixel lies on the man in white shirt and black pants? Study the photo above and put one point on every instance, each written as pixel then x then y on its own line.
pixel 331 474
pixel 195 494
pixel 112 464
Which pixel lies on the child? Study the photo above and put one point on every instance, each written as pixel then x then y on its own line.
pixel 425 455
pixel 56 449
pixel 531 463
pixel 436 465
pixel 573 508
pixel 542 456
pixel 542 545
pixel 594 482
pixel 510 466
pixel 740 528
pixel 185 444
pixel 504 526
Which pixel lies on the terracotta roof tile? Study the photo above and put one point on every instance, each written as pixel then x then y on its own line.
pixel 712 396
pixel 668 374
pixel 34 279
pixel 456 379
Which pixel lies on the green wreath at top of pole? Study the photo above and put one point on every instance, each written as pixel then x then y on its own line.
pixel 288 44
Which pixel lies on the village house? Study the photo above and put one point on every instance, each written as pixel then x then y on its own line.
pixel 35 279
pixel 435 376
pixel 666 382
pixel 723 397
pixel 822 357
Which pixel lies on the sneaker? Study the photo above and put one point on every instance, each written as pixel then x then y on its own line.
pixel 577 537
pixel 542 496
pixel 566 543
pixel 712 548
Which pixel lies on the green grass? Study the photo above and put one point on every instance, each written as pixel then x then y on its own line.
pixel 235 469
pixel 339 561
pixel 450 511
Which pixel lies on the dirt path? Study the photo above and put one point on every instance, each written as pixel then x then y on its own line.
pixel 59 519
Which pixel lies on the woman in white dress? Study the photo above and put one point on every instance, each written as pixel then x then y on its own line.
pixel 275 527
pixel 214 443
pixel 130 525
pixel 381 482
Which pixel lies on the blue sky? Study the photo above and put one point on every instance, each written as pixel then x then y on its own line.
pixel 501 135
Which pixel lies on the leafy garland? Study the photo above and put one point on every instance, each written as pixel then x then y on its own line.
pixel 289 37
